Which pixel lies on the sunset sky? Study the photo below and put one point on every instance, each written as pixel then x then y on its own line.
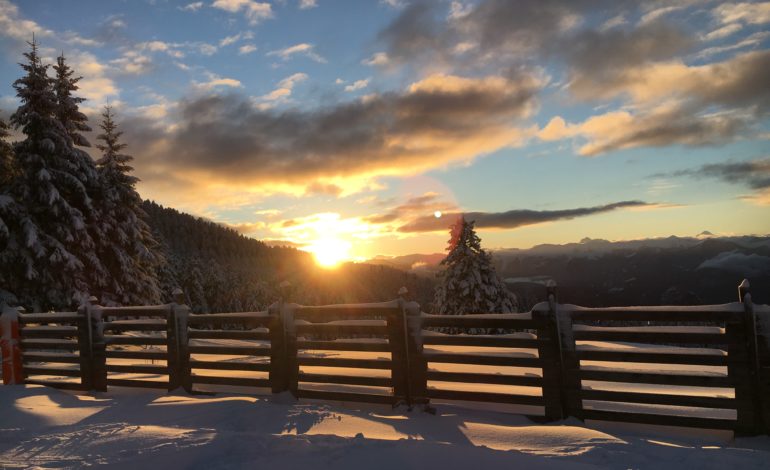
pixel 348 125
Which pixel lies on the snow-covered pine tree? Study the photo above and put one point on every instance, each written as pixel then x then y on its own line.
pixel 43 261
pixel 128 249
pixel 7 174
pixel 469 284
pixel 65 83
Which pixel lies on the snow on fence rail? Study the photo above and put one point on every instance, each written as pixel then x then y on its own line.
pixel 697 366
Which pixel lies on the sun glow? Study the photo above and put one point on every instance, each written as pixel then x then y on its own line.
pixel 330 252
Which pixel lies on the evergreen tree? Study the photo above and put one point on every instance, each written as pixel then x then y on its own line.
pixel 469 284
pixel 128 249
pixel 7 174
pixel 49 249
pixel 67 105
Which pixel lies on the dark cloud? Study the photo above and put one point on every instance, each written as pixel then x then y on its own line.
pixel 753 174
pixel 436 121
pixel 417 206
pixel 513 218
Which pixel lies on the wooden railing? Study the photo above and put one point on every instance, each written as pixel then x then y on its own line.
pixel 610 364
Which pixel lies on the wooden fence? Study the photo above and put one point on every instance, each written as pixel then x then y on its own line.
pixel 610 364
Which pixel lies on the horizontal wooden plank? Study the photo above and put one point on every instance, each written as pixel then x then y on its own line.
pixel 650 315
pixel 485 397
pixel 52 332
pixel 499 379
pixel 218 365
pixel 489 341
pixel 144 355
pixel 160 311
pixel 656 358
pixel 231 350
pixel 341 330
pixel 659 379
pixel 69 345
pixel 138 369
pixel 661 420
pixel 325 314
pixel 228 334
pixel 134 326
pixel 659 399
pixel 135 340
pixel 245 319
pixel 53 384
pixel 346 396
pixel 36 370
pixel 342 362
pixel 56 317
pixel 233 381
pixel 483 360
pixel 50 357
pixel 346 379
pixel 136 383
pixel 653 337
pixel 474 321
pixel 344 346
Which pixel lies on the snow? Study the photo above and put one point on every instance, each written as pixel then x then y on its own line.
pixel 47 428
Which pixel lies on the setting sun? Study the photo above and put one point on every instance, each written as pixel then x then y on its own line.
pixel 330 252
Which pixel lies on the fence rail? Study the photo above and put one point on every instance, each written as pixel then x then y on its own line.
pixel 609 364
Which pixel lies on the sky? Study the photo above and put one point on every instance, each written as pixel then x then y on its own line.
pixel 355 128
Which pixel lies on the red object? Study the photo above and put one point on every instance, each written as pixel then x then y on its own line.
pixel 10 349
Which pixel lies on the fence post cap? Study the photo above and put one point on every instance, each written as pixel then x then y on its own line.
pixel 403 291
pixel 21 309
pixel 178 295
pixel 93 300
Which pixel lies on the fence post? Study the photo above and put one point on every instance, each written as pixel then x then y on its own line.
pixel 284 366
pixel 10 346
pixel 277 374
pixel 95 318
pixel 179 374
pixel 399 357
pixel 549 352
pixel 758 409
pixel 85 348
pixel 571 386
pixel 417 370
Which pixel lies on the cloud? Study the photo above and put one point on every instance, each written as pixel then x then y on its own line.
pixel 305 4
pixel 739 263
pixel 285 87
pixel 752 13
pixel 434 122
pixel 193 7
pixel 672 103
pixel 228 40
pixel 752 174
pixel 216 81
pixel 512 219
pixel 358 85
pixel 254 11
pixel 132 63
pixel 377 59
pixel 304 49
pixel 246 49
pixel 416 207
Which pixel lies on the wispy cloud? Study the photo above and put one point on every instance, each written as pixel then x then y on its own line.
pixel 305 4
pixel 254 11
pixel 514 218
pixel 358 85
pixel 303 49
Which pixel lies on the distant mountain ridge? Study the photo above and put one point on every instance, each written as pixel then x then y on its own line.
pixel 672 270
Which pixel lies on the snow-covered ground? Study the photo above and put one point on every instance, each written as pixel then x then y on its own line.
pixel 130 428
